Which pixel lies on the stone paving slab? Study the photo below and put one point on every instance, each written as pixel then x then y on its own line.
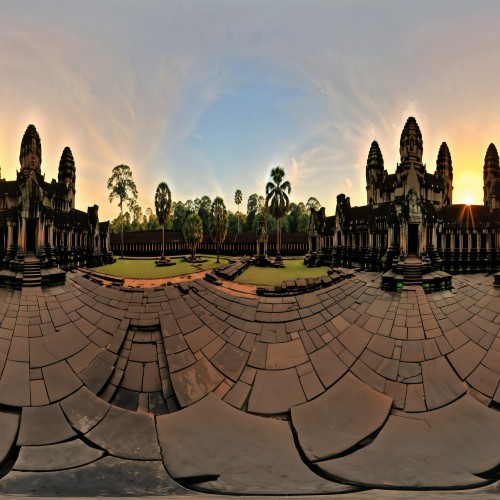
pixel 340 418
pixel 275 391
pixel 84 410
pixel 110 476
pixel 56 457
pixel 43 425
pixel 9 425
pixel 426 450
pixel 195 382
pixel 242 453
pixel 126 434
pixel 60 380
pixel 15 384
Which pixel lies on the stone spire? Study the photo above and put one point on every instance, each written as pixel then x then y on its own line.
pixel 491 170
pixel 30 155
pixel 491 163
pixel 375 162
pixel 411 144
pixel 67 168
pixel 443 164
pixel 444 170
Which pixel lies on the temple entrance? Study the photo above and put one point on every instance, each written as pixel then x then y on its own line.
pixel 313 244
pixel 412 239
pixel 31 235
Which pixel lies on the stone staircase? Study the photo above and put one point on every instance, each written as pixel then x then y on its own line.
pixel 31 271
pixel 413 270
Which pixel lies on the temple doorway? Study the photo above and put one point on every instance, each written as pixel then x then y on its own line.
pixel 412 239
pixel 31 235
pixel 313 244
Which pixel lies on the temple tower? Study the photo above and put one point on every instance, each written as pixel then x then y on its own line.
pixel 491 171
pixel 30 154
pixel 67 174
pixel 374 172
pixel 411 146
pixel 444 171
pixel 30 229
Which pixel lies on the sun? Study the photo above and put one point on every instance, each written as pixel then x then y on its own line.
pixel 468 199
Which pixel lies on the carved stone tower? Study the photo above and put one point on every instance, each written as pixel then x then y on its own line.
pixel 374 173
pixel 67 174
pixel 30 154
pixel 491 171
pixel 411 146
pixel 444 171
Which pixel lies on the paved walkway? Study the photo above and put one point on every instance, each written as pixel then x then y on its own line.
pixel 108 391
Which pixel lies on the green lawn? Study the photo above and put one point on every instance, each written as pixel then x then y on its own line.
pixel 269 276
pixel 142 269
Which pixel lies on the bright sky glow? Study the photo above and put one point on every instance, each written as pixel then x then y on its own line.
pixel 210 95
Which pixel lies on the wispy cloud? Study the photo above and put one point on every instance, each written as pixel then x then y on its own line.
pixel 142 82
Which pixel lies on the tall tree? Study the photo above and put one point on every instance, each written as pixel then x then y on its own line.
pixel 136 224
pixel 163 206
pixel 298 218
pixel 180 214
pixel 218 222
pixel 254 205
pixel 193 232
pixel 121 185
pixel 277 201
pixel 238 198
pixel 312 202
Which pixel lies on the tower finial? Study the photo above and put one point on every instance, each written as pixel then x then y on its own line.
pixel 411 143
pixel 30 155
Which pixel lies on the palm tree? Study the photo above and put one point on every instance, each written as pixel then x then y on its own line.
pixel 121 185
pixel 218 222
pixel 277 201
pixel 238 198
pixel 193 232
pixel 163 206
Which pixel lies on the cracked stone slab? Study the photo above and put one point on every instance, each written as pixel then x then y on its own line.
pixel 67 455
pixel 340 418
pixel 43 425
pixel 84 410
pixel 247 454
pixel 195 381
pixel 126 434
pixel 450 447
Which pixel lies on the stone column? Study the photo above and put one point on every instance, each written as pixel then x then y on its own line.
pixel 10 233
pixel 21 233
pixel 390 232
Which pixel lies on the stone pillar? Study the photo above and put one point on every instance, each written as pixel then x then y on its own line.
pixel 10 234
pixel 21 234
pixel 40 235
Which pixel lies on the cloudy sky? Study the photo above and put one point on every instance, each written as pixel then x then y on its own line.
pixel 209 95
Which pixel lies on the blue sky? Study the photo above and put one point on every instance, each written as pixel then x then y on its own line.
pixel 209 95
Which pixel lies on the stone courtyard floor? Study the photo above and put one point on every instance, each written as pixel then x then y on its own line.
pixel 345 391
